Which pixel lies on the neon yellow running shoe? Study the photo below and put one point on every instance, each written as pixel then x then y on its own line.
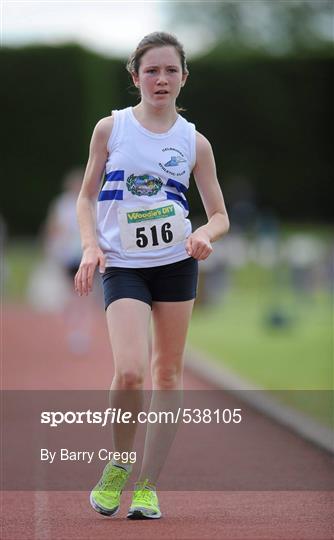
pixel 106 495
pixel 145 503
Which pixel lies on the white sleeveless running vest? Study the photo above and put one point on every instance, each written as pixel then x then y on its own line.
pixel 142 207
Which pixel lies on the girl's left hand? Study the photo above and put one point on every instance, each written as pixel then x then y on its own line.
pixel 198 245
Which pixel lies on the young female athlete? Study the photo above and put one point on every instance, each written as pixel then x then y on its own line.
pixel 136 230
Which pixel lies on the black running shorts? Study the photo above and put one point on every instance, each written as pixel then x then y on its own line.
pixel 175 282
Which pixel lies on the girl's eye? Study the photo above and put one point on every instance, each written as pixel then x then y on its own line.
pixel 170 70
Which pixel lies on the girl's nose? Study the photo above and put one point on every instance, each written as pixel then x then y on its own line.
pixel 162 78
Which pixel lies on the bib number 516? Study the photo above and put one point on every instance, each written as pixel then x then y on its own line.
pixel 143 236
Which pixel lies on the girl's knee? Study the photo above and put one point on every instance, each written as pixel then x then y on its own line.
pixel 129 379
pixel 167 377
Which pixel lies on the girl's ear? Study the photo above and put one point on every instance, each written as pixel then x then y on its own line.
pixel 184 78
pixel 135 79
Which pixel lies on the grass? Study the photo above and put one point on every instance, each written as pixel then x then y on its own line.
pixel 277 339
pixel 21 257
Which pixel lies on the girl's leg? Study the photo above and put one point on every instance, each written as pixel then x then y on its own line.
pixel 128 325
pixel 170 326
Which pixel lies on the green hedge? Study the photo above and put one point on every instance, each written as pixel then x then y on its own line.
pixel 269 120
pixel 54 97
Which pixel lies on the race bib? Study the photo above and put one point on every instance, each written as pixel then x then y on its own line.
pixel 151 228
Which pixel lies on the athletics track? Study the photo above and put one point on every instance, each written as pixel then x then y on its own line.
pixel 36 357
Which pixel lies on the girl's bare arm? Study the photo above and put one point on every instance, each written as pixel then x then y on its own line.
pixel 92 255
pixel 199 242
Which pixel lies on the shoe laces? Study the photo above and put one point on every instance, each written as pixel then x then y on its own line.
pixel 113 480
pixel 143 491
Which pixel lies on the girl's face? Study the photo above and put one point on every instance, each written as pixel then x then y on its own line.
pixel 160 76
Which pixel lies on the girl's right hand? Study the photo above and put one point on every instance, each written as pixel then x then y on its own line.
pixel 91 258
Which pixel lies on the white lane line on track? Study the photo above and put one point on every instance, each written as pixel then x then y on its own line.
pixel 41 515
pixel 41 501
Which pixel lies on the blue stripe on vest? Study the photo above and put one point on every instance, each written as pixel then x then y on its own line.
pixel 114 175
pixel 111 195
pixel 180 187
pixel 175 197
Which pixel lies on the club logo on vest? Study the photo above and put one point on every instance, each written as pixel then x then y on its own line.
pixel 175 158
pixel 174 161
pixel 143 185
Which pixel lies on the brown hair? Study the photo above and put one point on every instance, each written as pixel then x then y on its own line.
pixel 156 39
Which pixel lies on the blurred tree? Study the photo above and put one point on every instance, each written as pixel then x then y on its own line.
pixel 278 27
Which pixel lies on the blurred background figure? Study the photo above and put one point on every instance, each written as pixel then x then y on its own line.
pixel 51 283
pixel 61 233
pixel 243 205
